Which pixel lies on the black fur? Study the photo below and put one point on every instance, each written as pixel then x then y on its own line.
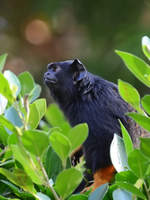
pixel 84 97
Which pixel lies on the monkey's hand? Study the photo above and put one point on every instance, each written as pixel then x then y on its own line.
pixel 76 155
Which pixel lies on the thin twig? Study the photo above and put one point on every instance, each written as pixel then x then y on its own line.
pixel 47 179
pixel 147 191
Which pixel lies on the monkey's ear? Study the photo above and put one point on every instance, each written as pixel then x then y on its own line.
pixel 79 71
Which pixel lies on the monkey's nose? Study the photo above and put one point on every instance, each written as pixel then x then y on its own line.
pixel 49 77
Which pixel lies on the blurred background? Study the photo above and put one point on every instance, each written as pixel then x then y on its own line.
pixel 35 32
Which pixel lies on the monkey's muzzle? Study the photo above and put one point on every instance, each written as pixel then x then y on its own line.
pixel 49 78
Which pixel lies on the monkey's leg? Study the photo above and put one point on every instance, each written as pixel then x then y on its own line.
pixel 103 176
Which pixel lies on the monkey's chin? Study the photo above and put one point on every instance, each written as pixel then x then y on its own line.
pixel 50 81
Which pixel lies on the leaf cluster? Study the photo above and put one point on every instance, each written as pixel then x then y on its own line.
pixel 36 143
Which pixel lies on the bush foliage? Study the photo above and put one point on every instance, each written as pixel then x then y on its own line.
pixel 36 142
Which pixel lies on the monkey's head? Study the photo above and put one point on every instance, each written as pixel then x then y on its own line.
pixel 64 77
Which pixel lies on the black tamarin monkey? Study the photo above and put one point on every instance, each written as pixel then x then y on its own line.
pixel 84 97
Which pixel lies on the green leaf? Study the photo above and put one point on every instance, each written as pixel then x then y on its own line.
pixel 5 89
pixel 27 83
pixel 2 61
pixel 78 197
pixel 146 103
pixel 146 46
pixel 61 145
pixel 141 120
pixel 121 195
pixel 13 139
pixel 41 106
pixel 71 179
pixel 50 158
pixel 118 154
pixel 42 196
pixel 145 146
pixel 138 163
pixel 44 126
pixel 37 111
pixel 137 66
pixel 34 116
pixel 54 116
pixel 77 135
pixel 35 93
pixel 13 82
pixel 6 123
pixel 16 190
pixel 3 135
pixel 99 193
pixel 3 198
pixel 129 94
pixel 3 104
pixel 127 139
pixel 19 178
pixel 29 163
pixel 126 176
pixel 12 115
pixel 131 188
pixel 35 141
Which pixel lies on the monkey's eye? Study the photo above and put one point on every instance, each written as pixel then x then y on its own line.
pixel 54 68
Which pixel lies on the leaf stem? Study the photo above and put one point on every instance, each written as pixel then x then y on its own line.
pixel 147 191
pixel 47 179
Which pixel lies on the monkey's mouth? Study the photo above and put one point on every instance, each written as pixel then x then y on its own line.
pixel 49 81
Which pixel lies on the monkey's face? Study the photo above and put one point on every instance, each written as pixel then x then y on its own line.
pixel 64 75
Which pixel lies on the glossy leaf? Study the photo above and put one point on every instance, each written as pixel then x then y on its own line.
pixel 71 179
pixel 126 176
pixel 16 190
pixel 131 188
pixel 34 116
pixel 50 158
pixel 42 196
pixel 35 141
pixel 54 116
pixel 121 195
pixel 30 164
pixel 118 154
pixel 127 139
pixel 141 120
pixel 35 93
pixel 138 163
pixel 13 81
pixel 137 66
pixel 77 135
pixel 146 103
pixel 37 111
pixel 61 145
pixel 3 135
pixel 7 124
pixel 78 197
pixel 27 83
pixel 145 146
pixel 12 115
pixel 2 61
pixel 129 94
pixel 41 107
pixel 19 178
pixel 13 139
pixel 5 89
pixel 146 46
pixel 3 104
pixel 99 193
